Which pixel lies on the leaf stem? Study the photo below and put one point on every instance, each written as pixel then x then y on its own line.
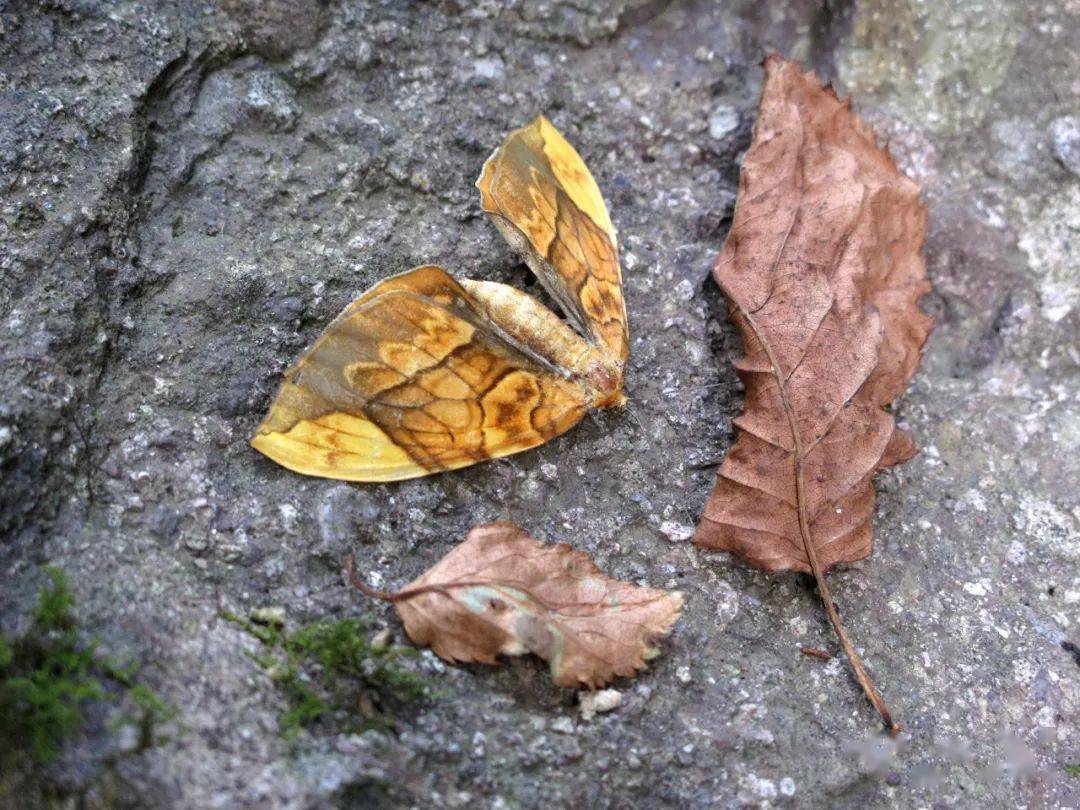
pixel 363 587
pixel 419 590
pixel 857 666
pixel 798 453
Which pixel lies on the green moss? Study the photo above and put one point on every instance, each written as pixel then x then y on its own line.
pixel 50 674
pixel 1073 770
pixel 332 673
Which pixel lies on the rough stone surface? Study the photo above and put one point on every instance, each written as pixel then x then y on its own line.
pixel 190 193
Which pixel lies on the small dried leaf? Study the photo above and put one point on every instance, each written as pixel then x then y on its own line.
pixel 502 592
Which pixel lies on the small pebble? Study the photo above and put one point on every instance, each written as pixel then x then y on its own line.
pixel 676 532
pixel 198 543
pixel 1065 132
pixel 382 639
pixel 363 54
pixel 230 553
pixel 723 121
pixel 562 725
pixel 593 703
pixel 270 616
pixel 488 68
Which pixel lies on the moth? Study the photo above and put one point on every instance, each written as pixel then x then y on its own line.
pixel 425 373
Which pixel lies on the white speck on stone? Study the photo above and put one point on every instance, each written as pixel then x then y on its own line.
pixel 288 517
pixel 723 121
pixel 676 532
pixel 562 725
pixel 976 588
pixel 765 788
pixel 727 605
pixel 593 703
pixel 479 742
pixel 684 290
pixel 127 737
pixel 683 675
pixel 975 500
pixel 697 351
pixel 363 54
pixel 549 472
pixel 787 786
pixel 433 661
pixel 488 68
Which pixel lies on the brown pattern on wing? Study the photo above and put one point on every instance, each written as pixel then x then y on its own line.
pixel 544 201
pixel 404 384
pixel 587 259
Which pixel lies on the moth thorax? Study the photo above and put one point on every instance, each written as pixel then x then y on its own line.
pixel 605 379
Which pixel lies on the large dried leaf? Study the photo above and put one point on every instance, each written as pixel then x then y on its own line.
pixel 823 272
pixel 502 592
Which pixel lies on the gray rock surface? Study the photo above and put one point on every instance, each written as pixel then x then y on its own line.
pixel 190 193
